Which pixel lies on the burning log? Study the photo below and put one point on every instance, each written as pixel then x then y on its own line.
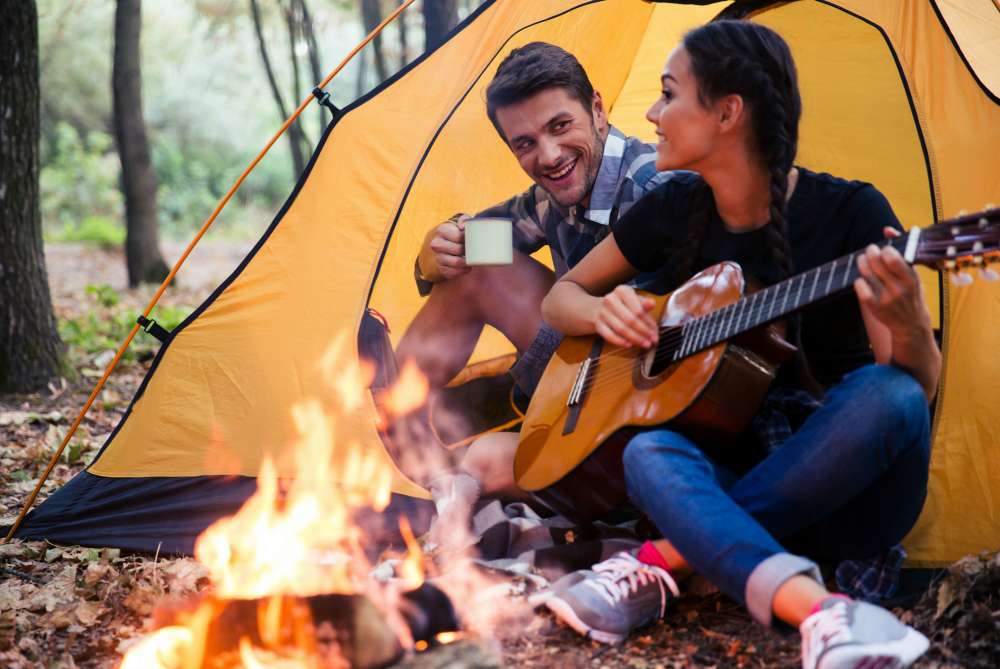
pixel 333 630
pixel 293 588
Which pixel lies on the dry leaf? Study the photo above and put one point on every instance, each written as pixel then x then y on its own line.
pixel 142 599
pixel 182 575
pixel 712 634
pixel 88 613
pixel 946 595
pixel 96 572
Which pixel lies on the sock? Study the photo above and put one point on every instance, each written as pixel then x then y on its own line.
pixel 819 605
pixel 649 555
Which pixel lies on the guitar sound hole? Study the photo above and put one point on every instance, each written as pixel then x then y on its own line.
pixel 659 359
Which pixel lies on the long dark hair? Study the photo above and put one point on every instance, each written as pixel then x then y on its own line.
pixel 752 61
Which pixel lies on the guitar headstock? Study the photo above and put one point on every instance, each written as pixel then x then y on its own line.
pixel 968 241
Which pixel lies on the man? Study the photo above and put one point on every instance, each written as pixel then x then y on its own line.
pixel 585 175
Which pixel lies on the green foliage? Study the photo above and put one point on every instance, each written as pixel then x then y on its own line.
pixel 79 188
pixel 105 326
pixel 105 295
pixel 95 230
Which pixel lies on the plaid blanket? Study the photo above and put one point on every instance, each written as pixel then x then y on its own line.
pixel 516 540
pixel 513 539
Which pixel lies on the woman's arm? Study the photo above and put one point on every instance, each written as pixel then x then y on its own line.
pixel 898 325
pixel 591 298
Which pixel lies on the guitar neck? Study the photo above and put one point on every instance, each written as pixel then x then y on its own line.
pixel 771 304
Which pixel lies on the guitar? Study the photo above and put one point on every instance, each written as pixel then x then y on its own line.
pixel 719 350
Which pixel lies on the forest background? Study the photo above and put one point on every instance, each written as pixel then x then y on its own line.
pixel 207 102
pixel 217 78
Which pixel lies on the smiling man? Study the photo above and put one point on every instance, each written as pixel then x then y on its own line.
pixel 586 174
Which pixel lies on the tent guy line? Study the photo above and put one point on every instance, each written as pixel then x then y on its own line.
pixel 187 252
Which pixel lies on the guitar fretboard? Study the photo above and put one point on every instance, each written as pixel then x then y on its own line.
pixel 770 304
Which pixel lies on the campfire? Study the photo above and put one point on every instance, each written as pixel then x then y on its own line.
pixel 292 586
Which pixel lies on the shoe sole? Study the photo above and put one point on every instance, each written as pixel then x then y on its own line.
pixel 892 655
pixel 566 614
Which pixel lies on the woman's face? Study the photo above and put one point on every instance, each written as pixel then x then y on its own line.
pixel 686 129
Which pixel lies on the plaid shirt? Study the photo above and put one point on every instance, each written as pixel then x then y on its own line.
pixel 627 172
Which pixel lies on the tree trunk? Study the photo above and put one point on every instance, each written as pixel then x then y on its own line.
pixel 142 248
pixel 295 136
pixel 371 16
pixel 314 59
pixel 440 16
pixel 29 343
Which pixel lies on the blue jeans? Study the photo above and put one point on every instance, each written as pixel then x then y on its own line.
pixel 849 483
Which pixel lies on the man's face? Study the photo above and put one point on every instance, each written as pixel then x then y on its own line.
pixel 558 142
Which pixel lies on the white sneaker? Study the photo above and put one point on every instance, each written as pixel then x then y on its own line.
pixel 845 634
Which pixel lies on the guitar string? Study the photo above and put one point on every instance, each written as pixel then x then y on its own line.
pixel 669 347
pixel 754 311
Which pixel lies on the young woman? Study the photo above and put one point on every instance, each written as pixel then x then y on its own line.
pixel 850 481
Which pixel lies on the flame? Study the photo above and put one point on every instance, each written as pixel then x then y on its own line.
pixel 294 537
pixel 409 393
pixel 412 567
pixel 168 648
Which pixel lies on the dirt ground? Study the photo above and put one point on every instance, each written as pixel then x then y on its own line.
pixel 66 606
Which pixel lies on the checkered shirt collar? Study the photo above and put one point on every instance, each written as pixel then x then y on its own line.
pixel 608 182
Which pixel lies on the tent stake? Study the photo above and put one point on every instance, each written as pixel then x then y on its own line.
pixel 180 261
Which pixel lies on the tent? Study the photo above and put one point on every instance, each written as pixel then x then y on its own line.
pixel 902 94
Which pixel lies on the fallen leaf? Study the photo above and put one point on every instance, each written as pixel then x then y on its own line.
pixel 182 575
pixel 97 572
pixel 23 417
pixel 946 595
pixel 712 634
pixel 13 549
pixel 142 599
pixel 88 613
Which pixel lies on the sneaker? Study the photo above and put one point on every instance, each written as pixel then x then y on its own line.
pixel 561 584
pixel 617 596
pixel 845 634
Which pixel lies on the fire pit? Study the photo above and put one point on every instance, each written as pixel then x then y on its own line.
pixel 292 587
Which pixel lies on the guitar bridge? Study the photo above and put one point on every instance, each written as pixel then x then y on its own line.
pixel 580 383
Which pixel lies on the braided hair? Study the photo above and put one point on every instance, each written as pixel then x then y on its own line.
pixel 752 61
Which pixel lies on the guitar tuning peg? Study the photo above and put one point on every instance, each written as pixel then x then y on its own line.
pixel 961 278
pixel 989 274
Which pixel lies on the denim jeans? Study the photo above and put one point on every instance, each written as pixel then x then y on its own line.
pixel 849 483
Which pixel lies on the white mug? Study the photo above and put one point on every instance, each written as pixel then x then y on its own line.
pixel 489 241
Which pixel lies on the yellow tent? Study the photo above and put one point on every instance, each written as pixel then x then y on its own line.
pixel 902 94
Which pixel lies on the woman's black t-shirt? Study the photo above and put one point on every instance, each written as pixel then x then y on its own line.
pixel 828 217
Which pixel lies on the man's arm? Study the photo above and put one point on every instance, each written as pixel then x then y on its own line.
pixel 442 255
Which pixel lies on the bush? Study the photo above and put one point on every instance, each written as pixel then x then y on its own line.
pixel 96 230
pixel 79 188
pixel 107 323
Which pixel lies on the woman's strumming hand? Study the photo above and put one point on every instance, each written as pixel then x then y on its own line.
pixel 623 318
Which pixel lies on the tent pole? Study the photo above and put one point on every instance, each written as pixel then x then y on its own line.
pixel 180 261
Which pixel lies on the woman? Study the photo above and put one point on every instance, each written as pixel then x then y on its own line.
pixel 851 479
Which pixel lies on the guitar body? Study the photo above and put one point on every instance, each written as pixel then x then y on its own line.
pixel 570 456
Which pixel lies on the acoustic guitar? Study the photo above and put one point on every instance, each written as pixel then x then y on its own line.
pixel 719 350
